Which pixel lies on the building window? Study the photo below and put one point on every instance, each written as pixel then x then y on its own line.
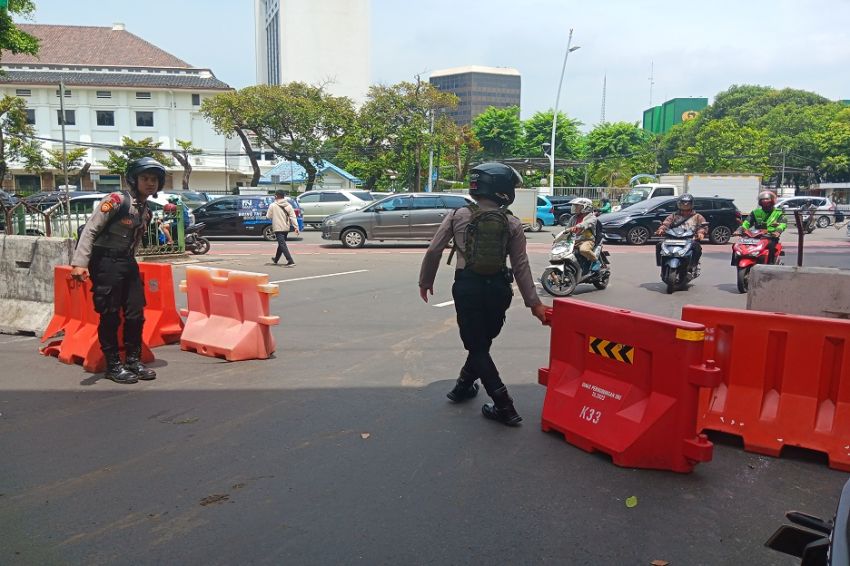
pixel 105 117
pixel 30 115
pixel 269 156
pixel 70 117
pixel 27 184
pixel 23 92
pixel 67 93
pixel 144 119
pixel 196 100
pixel 143 96
pixel 104 94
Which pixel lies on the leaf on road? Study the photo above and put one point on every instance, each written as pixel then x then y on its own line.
pixel 659 563
pixel 631 502
pixel 365 435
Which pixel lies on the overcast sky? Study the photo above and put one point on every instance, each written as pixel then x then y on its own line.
pixel 698 48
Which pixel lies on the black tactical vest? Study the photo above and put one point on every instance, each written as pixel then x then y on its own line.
pixel 121 233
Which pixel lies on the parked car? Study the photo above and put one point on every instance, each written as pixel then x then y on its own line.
pixel 82 207
pixel 637 223
pixel 316 205
pixel 243 215
pixel 545 215
pixel 406 216
pixel 824 213
pixel 45 199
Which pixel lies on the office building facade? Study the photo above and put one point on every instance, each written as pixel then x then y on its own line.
pixel 478 88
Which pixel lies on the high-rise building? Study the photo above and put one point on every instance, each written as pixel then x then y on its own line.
pixel 478 88
pixel 323 42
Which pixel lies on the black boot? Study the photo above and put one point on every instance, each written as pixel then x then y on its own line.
pixel 465 388
pixel 502 408
pixel 135 365
pixel 116 371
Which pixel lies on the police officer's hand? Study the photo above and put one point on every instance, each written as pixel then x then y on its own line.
pixel 79 273
pixel 539 312
pixel 423 292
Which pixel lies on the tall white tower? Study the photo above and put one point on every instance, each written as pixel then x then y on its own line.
pixel 316 42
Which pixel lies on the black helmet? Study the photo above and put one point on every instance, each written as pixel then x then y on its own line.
pixel 495 181
pixel 686 203
pixel 138 166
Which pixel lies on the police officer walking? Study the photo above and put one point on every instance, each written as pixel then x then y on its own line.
pixel 485 235
pixel 106 252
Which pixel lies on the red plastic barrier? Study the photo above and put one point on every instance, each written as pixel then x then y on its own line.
pixel 228 314
pixel 786 380
pixel 626 384
pixel 74 315
pixel 163 324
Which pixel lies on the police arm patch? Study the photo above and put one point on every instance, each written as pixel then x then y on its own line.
pixel 106 206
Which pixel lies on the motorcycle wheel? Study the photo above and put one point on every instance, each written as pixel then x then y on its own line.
pixel 201 247
pixel 601 282
pixel 557 284
pixel 743 279
pixel 671 278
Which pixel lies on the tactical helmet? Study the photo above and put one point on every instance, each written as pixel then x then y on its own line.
pixel 767 199
pixel 686 203
pixel 495 181
pixel 581 205
pixel 139 166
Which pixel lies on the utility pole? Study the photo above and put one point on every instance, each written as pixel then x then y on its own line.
pixel 65 156
pixel 555 114
pixel 651 80
pixel 604 88
pixel 782 181
pixel 428 186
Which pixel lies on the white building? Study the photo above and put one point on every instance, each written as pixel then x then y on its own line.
pixel 116 85
pixel 315 42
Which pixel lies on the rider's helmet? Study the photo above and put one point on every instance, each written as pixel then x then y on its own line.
pixel 495 181
pixel 767 199
pixel 139 166
pixel 686 203
pixel 581 205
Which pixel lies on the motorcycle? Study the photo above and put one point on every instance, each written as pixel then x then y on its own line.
pixel 820 543
pixel 569 268
pixel 194 242
pixel 750 249
pixel 676 257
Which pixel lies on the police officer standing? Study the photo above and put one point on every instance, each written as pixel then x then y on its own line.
pixel 481 300
pixel 106 252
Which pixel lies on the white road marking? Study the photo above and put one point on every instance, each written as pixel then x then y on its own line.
pixel 24 339
pixel 447 303
pixel 320 276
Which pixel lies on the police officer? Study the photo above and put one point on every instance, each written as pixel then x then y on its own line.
pixel 106 252
pixel 481 301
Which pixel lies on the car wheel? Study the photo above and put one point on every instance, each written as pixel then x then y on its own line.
pixel 564 219
pixel 637 236
pixel 823 222
pixel 720 235
pixel 538 226
pixel 268 233
pixel 353 238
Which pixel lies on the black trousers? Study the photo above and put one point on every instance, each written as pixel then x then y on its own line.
pixel 481 303
pixel 117 287
pixel 282 248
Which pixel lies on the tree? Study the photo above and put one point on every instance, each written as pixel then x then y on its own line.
pixel 182 157
pixel 617 151
pixel 11 37
pixel 724 146
pixel 461 146
pixel 16 143
pixel 132 149
pixel 225 113
pixel 537 130
pixel 499 131
pixel 834 145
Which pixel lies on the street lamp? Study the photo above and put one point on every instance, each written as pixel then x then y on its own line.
pixel 555 115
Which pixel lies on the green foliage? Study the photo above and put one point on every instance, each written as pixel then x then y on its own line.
pixel 116 164
pixel 15 136
pixel 537 130
pixel 724 146
pixel 834 145
pixel 499 131
pixel 12 39
pixel 617 151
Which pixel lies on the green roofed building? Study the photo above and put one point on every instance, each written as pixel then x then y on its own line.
pixel 660 119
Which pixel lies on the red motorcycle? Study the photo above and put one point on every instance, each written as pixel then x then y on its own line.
pixel 750 249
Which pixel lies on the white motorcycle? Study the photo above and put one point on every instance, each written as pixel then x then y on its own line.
pixel 569 268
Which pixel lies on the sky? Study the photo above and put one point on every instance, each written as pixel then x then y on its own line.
pixel 695 48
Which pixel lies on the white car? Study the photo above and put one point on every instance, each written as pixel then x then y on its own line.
pixel 824 213
pixel 318 204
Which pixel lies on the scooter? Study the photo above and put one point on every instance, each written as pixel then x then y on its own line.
pixel 820 543
pixel 677 252
pixel 750 249
pixel 194 242
pixel 568 268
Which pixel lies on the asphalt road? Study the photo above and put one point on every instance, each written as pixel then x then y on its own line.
pixel 342 449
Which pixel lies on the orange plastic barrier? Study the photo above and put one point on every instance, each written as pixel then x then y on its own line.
pixel 74 315
pixel 786 380
pixel 228 314
pixel 626 384
pixel 163 324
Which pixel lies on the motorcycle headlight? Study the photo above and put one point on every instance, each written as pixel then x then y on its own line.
pixel 558 250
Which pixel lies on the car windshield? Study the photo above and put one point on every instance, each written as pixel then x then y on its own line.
pixel 635 196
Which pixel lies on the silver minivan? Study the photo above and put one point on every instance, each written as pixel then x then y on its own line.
pixel 405 216
pixel 318 204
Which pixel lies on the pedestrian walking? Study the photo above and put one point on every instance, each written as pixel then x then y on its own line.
pixel 284 221
pixel 485 235
pixel 106 252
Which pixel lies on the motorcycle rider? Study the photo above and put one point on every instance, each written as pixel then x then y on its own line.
pixel 604 205
pixel 584 224
pixel 689 219
pixel 766 217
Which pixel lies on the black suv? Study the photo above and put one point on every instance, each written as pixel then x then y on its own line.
pixel 637 224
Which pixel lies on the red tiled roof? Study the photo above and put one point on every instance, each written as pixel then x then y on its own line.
pixel 89 45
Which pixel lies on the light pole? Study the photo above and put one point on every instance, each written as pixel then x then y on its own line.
pixel 555 114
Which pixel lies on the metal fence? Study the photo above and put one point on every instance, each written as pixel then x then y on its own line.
pixel 593 193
